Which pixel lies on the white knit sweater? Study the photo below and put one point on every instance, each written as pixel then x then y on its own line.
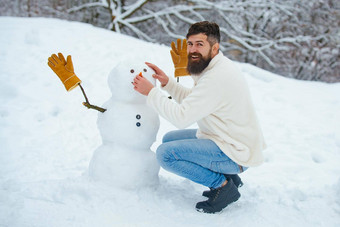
pixel 220 103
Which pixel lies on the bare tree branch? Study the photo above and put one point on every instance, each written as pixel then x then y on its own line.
pixel 299 38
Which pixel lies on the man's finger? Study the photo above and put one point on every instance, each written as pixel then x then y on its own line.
pixel 152 66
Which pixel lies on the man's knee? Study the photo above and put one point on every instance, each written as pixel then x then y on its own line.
pixel 163 154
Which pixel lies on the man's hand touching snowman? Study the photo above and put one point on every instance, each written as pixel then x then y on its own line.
pixel 144 86
pixel 179 57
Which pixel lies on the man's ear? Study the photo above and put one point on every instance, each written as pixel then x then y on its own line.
pixel 215 49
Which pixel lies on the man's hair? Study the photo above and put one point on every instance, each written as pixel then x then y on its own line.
pixel 210 29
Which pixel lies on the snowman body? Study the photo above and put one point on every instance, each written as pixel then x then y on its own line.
pixel 128 129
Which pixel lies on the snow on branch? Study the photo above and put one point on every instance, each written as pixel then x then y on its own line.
pixel 256 31
pixel 129 10
pixel 85 6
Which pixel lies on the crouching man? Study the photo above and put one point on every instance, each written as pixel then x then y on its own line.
pixel 228 140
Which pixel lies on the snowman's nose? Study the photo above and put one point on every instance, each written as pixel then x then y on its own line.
pixel 140 74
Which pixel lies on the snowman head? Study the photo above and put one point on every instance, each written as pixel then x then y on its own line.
pixel 122 75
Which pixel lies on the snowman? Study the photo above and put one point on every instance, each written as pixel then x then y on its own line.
pixel 128 127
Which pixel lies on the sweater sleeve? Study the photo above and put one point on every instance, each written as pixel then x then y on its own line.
pixel 176 90
pixel 202 101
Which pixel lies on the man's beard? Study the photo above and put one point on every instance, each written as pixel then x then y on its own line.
pixel 197 66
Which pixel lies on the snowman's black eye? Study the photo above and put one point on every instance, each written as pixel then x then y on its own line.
pixel 145 70
pixel 132 71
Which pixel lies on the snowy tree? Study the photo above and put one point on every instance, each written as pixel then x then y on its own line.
pixel 120 11
pixel 283 36
pixel 295 38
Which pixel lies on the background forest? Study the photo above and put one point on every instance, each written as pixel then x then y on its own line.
pixel 294 38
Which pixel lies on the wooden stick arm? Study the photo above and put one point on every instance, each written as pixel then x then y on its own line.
pixel 87 103
pixel 90 106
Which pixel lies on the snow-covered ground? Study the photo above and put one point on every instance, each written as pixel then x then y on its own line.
pixel 47 139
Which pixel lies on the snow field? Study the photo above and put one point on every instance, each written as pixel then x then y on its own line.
pixel 47 139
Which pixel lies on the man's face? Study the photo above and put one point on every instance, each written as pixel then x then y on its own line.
pixel 199 53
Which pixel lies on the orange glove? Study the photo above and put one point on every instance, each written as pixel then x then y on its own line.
pixel 64 70
pixel 180 57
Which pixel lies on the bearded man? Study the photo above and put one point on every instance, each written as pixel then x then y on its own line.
pixel 228 140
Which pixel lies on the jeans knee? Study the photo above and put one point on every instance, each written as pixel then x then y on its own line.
pixel 163 155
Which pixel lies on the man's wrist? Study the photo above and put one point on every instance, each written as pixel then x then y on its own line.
pixel 163 85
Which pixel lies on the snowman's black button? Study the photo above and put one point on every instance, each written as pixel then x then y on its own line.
pixel 138 124
pixel 138 116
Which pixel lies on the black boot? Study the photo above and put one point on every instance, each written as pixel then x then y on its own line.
pixel 236 179
pixel 221 198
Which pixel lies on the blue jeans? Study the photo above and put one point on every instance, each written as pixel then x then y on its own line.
pixel 199 160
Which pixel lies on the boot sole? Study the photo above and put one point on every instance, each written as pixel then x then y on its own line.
pixel 232 200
